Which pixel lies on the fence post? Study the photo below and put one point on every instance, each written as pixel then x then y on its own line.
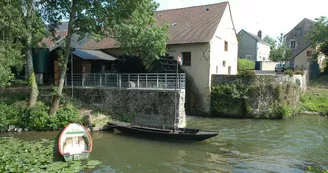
pixel 157 81
pixel 146 80
pixel 166 86
pixel 105 79
pixel 100 80
pixel 83 79
pixel 179 81
pixel 128 80
pixel 117 80
pixel 120 80
pixel 138 81
pixel 94 79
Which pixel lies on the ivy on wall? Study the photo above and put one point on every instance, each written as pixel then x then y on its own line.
pixel 253 97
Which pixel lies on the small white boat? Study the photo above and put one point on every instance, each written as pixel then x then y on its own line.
pixel 75 142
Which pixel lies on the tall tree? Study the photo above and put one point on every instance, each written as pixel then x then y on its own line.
pixel 319 34
pixel 280 52
pixel 106 18
pixel 33 32
pixel 10 39
pixel 29 59
pixel 270 40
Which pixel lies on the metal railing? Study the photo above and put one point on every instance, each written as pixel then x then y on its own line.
pixel 122 80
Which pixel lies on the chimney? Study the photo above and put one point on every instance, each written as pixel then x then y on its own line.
pixel 259 34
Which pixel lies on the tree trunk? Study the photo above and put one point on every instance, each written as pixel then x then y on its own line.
pixel 56 98
pixel 34 92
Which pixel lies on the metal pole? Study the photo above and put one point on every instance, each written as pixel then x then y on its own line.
pixel 138 80
pixel 157 81
pixel 72 73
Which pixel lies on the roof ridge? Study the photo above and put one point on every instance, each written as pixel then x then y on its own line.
pixel 193 6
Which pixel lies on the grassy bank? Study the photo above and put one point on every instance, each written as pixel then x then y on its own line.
pixel 316 98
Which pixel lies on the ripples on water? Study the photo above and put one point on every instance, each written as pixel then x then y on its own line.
pixel 243 145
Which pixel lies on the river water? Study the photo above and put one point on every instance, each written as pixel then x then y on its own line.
pixel 244 145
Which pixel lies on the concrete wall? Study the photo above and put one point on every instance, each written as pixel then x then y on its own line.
pixel 150 107
pixel 268 65
pixel 263 52
pixel 247 46
pixel 198 73
pixel 224 33
pixel 302 60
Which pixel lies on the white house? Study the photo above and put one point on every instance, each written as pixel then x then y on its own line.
pixel 253 47
pixel 205 38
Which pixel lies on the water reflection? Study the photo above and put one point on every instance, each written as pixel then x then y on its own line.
pixel 242 146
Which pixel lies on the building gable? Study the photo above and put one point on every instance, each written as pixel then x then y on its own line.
pixel 297 39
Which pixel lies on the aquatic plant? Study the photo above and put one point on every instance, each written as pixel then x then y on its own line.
pixel 36 156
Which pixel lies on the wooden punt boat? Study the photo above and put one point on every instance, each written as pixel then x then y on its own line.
pixel 181 134
pixel 75 142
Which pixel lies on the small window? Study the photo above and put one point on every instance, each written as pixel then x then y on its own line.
pixel 225 46
pixel 292 44
pixel 217 69
pixel 298 32
pixel 249 57
pixel 309 53
pixel 186 58
pixel 223 63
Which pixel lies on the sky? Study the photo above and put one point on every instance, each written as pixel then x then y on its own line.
pixel 272 17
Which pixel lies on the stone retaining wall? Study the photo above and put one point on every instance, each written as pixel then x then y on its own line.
pixel 255 96
pixel 149 107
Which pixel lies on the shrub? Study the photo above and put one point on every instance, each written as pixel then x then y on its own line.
pixel 129 117
pixel 289 72
pixel 244 65
pixel 10 115
pixel 39 118
pixel 247 73
pixel 67 114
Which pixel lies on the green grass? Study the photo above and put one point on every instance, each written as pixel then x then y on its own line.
pixel 316 99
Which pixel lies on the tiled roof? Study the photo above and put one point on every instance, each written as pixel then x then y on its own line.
pixel 48 42
pixel 187 25
pixel 257 38
pixel 93 55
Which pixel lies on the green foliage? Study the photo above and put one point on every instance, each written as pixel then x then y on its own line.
pixel 244 65
pixel 10 45
pixel 289 72
pixel 36 156
pixel 247 73
pixel 129 117
pixel 271 41
pixel 312 169
pixel 229 99
pixel 239 98
pixel 315 100
pixel 36 117
pixel 280 52
pixel 67 114
pixel 319 34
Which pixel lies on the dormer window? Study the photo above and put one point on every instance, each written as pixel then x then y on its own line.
pixel 174 24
